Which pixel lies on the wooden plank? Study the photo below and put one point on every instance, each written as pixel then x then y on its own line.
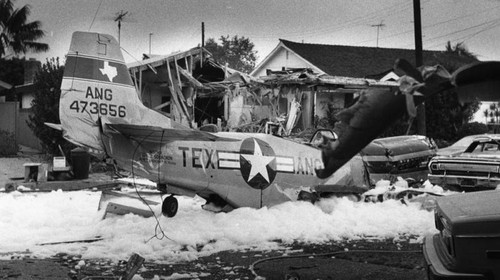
pixel 137 83
pixel 201 57
pixel 191 65
pixel 140 86
pixel 173 92
pixel 187 65
pixel 191 79
pixel 177 71
pixel 183 102
pixel 179 97
pixel 90 240
pixel 73 185
pixel 109 194
pixel 120 209
pixel 133 264
pixel 159 107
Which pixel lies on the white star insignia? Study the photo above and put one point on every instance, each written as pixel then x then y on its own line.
pixel 109 71
pixel 258 162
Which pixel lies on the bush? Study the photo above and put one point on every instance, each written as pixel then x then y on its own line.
pixel 45 108
pixel 8 145
pixel 471 129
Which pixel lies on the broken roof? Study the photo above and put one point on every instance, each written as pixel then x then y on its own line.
pixel 306 77
pixel 158 60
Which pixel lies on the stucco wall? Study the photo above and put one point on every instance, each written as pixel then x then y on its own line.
pixel 13 120
pixel 24 134
pixel 8 113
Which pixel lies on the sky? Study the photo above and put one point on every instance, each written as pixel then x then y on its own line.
pixel 169 26
pixel 30 221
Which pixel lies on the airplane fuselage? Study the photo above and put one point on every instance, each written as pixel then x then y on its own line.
pixel 255 171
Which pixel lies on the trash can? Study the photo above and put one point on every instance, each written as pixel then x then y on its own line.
pixel 81 163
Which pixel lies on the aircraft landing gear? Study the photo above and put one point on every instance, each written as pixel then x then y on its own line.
pixel 169 206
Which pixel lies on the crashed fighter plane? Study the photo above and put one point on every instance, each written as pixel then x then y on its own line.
pixel 100 111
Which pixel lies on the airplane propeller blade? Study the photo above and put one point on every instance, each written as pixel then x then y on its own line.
pixel 479 80
pixel 376 109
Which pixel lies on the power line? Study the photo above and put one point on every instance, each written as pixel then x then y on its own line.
pixel 95 15
pixel 431 25
pixel 352 23
pixel 469 36
pixel 464 29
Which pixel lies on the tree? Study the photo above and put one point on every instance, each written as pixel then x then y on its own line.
pixel 444 114
pixel 45 107
pixel 459 49
pixel 18 35
pixel 237 52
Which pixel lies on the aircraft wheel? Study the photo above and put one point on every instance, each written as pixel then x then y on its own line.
pixel 170 206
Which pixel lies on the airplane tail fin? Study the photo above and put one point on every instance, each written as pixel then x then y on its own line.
pixel 97 89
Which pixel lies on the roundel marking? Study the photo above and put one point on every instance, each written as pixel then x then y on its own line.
pixel 257 163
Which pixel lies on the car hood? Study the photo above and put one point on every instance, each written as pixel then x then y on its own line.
pixel 472 213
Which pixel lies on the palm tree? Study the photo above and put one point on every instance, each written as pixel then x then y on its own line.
pixel 16 34
pixel 459 49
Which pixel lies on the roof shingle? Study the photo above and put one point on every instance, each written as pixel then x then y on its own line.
pixel 360 62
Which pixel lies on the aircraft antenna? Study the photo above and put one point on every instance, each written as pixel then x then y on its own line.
pixel 378 26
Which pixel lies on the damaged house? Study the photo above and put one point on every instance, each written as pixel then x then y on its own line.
pixel 297 86
pixel 193 89
pixel 324 79
pixel 168 84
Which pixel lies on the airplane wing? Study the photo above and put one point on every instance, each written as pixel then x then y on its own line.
pixel 154 134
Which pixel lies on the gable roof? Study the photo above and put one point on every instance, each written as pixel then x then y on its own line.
pixel 360 62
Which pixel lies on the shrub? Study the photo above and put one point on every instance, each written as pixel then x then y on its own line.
pixel 471 129
pixel 8 145
pixel 45 108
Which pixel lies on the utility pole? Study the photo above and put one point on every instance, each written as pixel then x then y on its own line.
pixel 379 26
pixel 421 127
pixel 418 33
pixel 150 34
pixel 202 42
pixel 202 34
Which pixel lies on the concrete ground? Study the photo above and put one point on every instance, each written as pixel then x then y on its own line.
pixel 354 260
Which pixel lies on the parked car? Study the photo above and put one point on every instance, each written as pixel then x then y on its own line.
pixel 468 243
pixel 398 156
pixel 386 158
pixel 476 168
pixel 459 146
